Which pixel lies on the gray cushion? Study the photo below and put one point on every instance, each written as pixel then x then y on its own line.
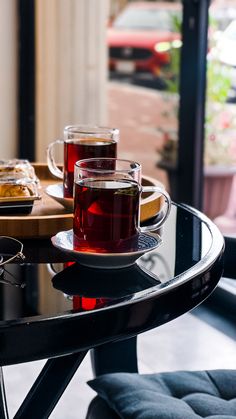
pixel 99 409
pixel 171 395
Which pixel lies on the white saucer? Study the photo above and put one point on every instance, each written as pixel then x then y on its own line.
pixel 146 242
pixel 55 191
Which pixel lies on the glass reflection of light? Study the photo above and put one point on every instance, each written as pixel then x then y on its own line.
pixel 86 304
pixel 80 303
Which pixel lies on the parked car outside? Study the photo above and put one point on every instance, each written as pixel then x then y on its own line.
pixel 141 37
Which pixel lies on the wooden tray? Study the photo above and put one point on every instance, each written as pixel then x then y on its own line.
pixel 48 216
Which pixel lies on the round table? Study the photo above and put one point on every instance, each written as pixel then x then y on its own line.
pixel 55 309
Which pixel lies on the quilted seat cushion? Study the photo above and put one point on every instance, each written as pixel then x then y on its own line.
pixel 170 395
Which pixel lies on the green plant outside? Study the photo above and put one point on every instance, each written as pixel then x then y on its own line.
pixel 220 116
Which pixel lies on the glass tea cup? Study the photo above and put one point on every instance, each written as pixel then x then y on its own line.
pixel 81 142
pixel 107 205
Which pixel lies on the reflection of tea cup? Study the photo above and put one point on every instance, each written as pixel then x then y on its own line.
pixel 107 205
pixel 81 142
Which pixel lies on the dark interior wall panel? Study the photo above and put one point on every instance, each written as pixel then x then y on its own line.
pixel 26 79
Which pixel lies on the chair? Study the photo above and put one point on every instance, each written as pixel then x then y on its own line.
pixel 168 395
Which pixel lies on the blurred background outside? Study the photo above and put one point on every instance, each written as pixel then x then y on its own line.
pixel 144 47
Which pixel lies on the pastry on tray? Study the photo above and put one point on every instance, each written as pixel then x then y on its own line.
pixel 14 190
pixel 18 186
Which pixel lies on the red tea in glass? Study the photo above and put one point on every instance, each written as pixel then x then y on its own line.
pixel 87 303
pixel 107 195
pixel 106 215
pixel 83 149
pixel 81 142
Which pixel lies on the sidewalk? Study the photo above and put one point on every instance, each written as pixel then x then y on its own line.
pixel 138 112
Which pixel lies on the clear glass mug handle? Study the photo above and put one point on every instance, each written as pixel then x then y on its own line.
pixel 166 213
pixel 51 160
pixel 52 270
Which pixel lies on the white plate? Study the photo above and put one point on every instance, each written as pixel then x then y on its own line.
pixel 55 191
pixel 146 242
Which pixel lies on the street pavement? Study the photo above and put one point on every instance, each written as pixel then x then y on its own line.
pixel 140 113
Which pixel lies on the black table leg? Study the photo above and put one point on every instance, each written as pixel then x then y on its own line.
pixel 49 386
pixel 115 357
pixel 3 402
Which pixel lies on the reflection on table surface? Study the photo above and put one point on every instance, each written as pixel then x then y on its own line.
pixel 33 289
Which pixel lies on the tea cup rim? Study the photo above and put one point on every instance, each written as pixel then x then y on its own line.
pixel 134 166
pixel 90 129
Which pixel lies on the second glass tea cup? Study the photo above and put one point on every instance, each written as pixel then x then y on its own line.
pixel 107 205
pixel 81 142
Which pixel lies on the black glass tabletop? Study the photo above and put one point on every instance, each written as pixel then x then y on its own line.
pixel 49 290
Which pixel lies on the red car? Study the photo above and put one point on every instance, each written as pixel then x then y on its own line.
pixel 141 37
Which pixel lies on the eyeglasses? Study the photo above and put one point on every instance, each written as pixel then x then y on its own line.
pixel 11 250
